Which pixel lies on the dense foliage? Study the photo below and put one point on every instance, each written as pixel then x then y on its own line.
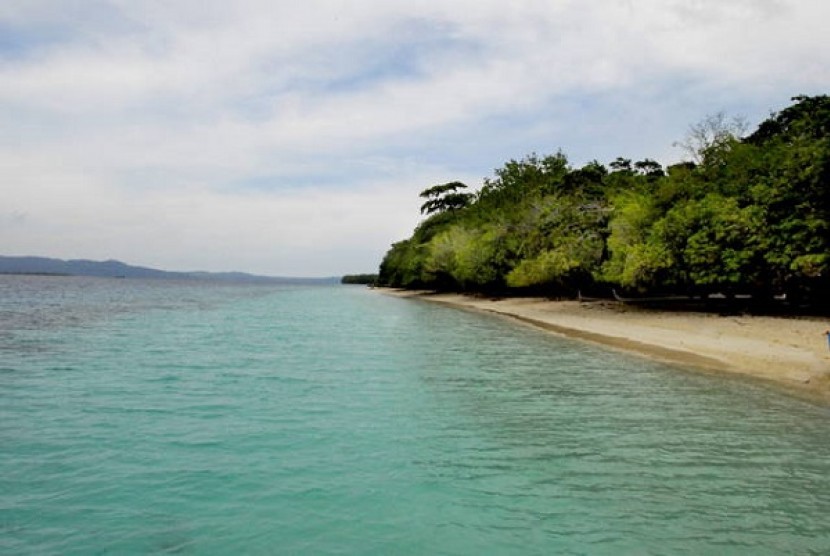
pixel 360 279
pixel 749 215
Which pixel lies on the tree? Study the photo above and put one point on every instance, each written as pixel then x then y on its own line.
pixel 523 180
pixel 809 117
pixel 445 197
pixel 749 215
pixel 621 164
pixel 714 244
pixel 712 132
pixel 361 279
pixel 402 267
pixel 637 258
pixel 650 168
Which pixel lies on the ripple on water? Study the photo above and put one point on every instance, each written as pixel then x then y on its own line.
pixel 150 417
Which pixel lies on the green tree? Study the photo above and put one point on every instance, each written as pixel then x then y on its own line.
pixel 445 197
pixel 713 243
pixel 638 258
pixel 747 215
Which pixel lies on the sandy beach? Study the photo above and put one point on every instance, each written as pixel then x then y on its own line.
pixel 791 353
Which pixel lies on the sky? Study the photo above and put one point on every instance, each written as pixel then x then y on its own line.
pixel 292 138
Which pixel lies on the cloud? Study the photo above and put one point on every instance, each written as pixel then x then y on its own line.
pixel 160 132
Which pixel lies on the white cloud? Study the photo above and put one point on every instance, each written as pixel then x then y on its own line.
pixel 293 137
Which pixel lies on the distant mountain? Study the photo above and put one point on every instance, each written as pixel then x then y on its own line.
pixel 117 269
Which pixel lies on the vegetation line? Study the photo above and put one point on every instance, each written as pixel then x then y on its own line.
pixel 747 215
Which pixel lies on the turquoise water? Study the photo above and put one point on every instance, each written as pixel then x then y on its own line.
pixel 164 417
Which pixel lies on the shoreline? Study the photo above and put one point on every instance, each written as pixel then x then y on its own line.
pixel 788 353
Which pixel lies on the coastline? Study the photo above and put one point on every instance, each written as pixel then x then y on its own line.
pixel 790 353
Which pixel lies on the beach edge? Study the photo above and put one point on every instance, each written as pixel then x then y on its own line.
pixel 788 354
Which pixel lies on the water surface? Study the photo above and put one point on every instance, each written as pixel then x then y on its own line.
pixel 196 418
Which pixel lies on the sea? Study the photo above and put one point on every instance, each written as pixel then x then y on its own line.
pixel 178 417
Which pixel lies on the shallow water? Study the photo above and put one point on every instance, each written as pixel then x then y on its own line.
pixel 155 417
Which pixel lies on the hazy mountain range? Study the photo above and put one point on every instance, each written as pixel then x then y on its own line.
pixel 117 269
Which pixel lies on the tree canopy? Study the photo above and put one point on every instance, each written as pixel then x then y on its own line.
pixel 445 197
pixel 745 215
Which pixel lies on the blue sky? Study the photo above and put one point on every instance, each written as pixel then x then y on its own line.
pixel 292 138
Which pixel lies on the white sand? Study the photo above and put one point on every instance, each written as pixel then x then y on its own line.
pixel 790 352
